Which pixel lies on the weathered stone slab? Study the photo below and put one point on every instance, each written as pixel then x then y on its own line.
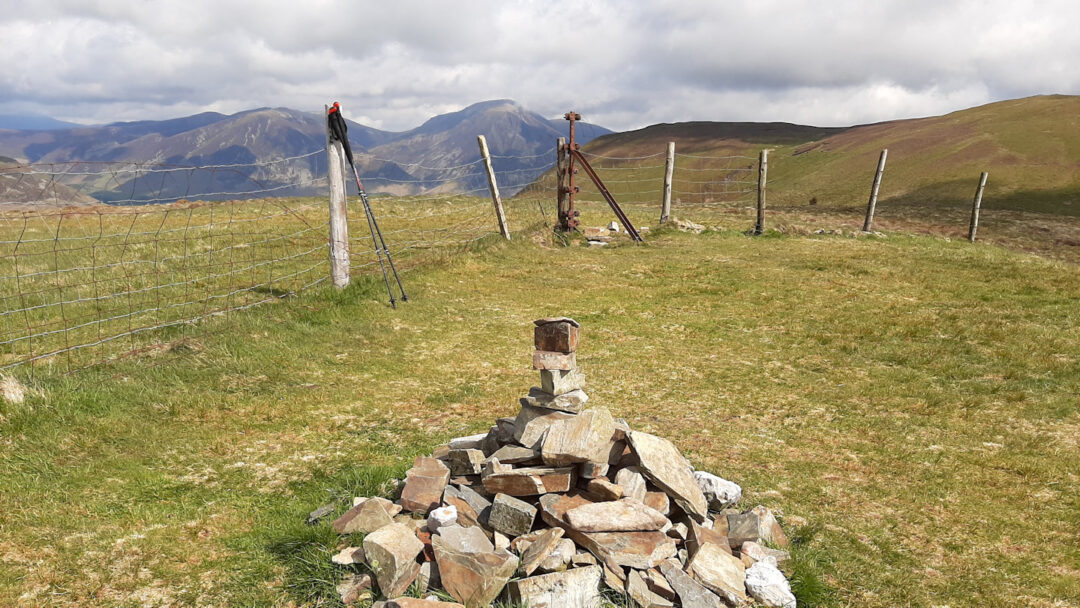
pixel 577 439
pixel 626 515
pixel 557 335
pixel 474 579
pixel 349 556
pixel 441 517
pixel 546 359
pixel 658 501
pixel 465 539
pixel 530 481
pixel 465 461
pixel 720 572
pixel 532 423
pixel 752 552
pixel 582 558
pixel 539 548
pixel 663 465
pixel 692 594
pixel 698 535
pixel 604 489
pixel 658 584
pixel 719 492
pixel 511 516
pixel 766 584
pixel 505 430
pixel 424 485
pixel 560 382
pixel 391 552
pixel 321 513
pixel 559 559
pixel 641 550
pixel 480 505
pixel 471 442
pixel 364 518
pixel 638 590
pixel 768 528
pixel 577 588
pixel 571 402
pixel 516 454
pixel 632 483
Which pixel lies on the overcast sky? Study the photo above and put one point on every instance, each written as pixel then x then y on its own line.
pixel 622 64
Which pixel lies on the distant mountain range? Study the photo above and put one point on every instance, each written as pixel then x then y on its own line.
pixel 408 162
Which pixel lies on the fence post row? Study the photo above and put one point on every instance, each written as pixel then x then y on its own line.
pixel 974 227
pixel 763 170
pixel 495 198
pixel 868 225
pixel 339 221
pixel 669 169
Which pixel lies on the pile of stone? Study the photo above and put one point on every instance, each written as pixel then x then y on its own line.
pixel 551 506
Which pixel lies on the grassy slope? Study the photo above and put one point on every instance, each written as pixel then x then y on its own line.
pixel 913 399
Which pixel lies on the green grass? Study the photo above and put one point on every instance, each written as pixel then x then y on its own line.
pixel 914 400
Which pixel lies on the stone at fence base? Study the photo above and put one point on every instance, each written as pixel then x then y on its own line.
pixel 720 572
pixel 661 463
pixel 692 594
pixel 571 402
pixel 391 553
pixel 511 516
pixel 577 588
pixel 560 382
pixel 424 485
pixel 766 584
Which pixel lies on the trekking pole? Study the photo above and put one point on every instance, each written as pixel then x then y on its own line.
pixel 373 226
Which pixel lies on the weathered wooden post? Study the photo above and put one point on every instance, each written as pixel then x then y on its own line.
pixel 339 220
pixel 560 170
pixel 868 225
pixel 763 172
pixel 669 169
pixel 495 198
pixel 974 227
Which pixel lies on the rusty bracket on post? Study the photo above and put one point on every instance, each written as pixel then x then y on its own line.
pixel 568 218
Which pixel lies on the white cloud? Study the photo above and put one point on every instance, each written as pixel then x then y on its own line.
pixel 624 65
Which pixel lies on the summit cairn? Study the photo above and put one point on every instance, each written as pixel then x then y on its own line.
pixel 555 503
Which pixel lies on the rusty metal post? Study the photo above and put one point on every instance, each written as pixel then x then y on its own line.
pixel 568 221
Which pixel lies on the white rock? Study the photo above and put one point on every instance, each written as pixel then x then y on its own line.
pixel 766 584
pixel 472 442
pixel 720 492
pixel 613 226
pixel 444 516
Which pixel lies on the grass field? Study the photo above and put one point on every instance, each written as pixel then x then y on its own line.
pixel 912 400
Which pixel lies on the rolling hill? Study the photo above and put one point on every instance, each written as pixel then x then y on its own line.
pixel 392 162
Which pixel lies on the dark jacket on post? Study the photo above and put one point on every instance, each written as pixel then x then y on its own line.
pixel 339 131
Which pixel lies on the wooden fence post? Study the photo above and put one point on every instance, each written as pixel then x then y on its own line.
pixel 763 173
pixel 669 169
pixel 560 172
pixel 868 225
pixel 339 220
pixel 974 227
pixel 495 198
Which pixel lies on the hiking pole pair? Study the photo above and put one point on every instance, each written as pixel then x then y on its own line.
pixel 338 130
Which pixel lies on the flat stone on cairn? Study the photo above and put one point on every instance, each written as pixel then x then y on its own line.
pixel 617 508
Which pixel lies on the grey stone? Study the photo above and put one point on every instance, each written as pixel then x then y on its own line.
pixel 743 528
pixel 466 539
pixel 625 515
pixel 577 439
pixel 480 505
pixel 532 423
pixel 766 584
pixel 391 553
pixel 720 572
pixel 719 492
pixel 559 559
pixel 443 516
pixel 516 454
pixel 663 465
pixel 576 588
pixel 632 483
pixel 465 461
pixel 546 359
pixel 560 382
pixel 471 442
pixel 571 402
pixel 511 516
pixel 505 427
pixel 692 594
pixel 638 590
pixel 321 513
